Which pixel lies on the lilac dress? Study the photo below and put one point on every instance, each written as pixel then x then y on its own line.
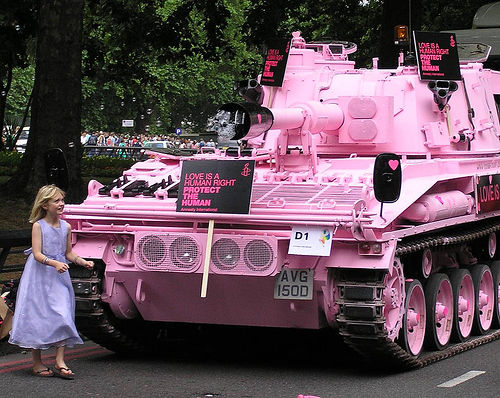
pixel 44 315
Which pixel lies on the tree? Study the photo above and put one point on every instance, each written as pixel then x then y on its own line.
pixel 56 109
pixel 177 59
pixel 17 27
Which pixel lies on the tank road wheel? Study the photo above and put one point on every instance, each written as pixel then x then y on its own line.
pixel 439 309
pixel 412 334
pixel 426 267
pixel 463 304
pixel 495 272
pixel 483 287
pixel 486 248
pixel 394 299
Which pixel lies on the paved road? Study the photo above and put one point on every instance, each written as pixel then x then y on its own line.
pixel 283 370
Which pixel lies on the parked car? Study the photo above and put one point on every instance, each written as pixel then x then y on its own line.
pixel 22 141
pixel 156 144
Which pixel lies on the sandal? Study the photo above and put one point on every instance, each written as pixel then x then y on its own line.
pixel 69 375
pixel 43 373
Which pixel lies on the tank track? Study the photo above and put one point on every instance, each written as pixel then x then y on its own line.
pixel 94 321
pixel 361 320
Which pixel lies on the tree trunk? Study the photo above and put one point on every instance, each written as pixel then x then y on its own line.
pixel 56 108
pixel 4 91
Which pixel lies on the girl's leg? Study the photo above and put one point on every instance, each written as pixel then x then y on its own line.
pixel 60 364
pixel 37 358
pixel 38 366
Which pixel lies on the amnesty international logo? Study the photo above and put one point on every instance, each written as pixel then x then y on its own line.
pixel 246 170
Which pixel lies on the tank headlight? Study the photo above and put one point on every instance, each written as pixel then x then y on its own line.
pixel 370 248
pixel 364 248
pixel 377 248
pixel 119 249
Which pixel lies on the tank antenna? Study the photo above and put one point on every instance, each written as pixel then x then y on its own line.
pixel 409 23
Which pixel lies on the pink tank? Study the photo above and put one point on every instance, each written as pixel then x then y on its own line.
pixel 288 230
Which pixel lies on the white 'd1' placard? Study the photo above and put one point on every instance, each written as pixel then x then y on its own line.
pixel 311 241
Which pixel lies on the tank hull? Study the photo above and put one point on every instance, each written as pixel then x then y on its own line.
pixel 314 248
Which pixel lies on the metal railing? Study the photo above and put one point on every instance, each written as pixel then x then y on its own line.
pixel 122 152
pixel 13 242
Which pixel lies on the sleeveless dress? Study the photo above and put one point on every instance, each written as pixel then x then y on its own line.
pixel 44 315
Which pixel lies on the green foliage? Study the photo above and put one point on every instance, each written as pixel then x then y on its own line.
pixel 9 161
pixel 443 15
pixel 163 63
pixel 92 166
pixel 22 84
pixel 104 166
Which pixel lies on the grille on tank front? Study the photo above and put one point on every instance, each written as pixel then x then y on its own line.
pixel 225 254
pixel 258 255
pixel 184 252
pixel 172 252
pixel 152 250
pixel 243 255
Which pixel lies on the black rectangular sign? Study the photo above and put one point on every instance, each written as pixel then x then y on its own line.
pixel 275 63
pixel 216 186
pixel 437 56
pixel 488 193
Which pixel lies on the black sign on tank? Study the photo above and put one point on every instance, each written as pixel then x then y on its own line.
pixel 216 186
pixel 437 56
pixel 275 64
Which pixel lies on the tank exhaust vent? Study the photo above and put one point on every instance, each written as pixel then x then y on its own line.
pixel 258 255
pixel 168 252
pixel 244 255
pixel 225 254
pixel 184 252
pixel 152 251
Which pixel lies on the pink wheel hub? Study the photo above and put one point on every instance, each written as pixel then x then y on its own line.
pixel 485 297
pixel 413 318
pixel 394 300
pixel 463 305
pixel 441 312
pixel 463 293
pixel 412 334
pixel 485 301
pixel 444 313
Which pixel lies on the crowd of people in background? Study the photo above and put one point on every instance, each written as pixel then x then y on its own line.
pixel 115 139
pixel 112 139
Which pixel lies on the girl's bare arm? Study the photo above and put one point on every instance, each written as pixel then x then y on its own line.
pixel 72 256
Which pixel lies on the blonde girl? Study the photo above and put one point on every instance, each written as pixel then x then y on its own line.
pixel 45 306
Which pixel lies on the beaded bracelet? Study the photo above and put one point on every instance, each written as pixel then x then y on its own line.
pixel 46 260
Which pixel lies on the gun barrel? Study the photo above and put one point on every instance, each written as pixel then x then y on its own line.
pixel 249 120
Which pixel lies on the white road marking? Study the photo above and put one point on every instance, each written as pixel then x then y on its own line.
pixel 461 379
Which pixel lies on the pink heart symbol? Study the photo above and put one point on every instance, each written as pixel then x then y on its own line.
pixel 491 178
pixel 393 164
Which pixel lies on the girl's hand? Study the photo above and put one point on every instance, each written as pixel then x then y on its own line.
pixel 88 264
pixel 60 266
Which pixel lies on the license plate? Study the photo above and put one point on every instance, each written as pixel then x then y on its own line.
pixel 294 284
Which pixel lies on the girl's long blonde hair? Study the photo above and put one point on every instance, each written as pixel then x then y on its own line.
pixel 43 196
